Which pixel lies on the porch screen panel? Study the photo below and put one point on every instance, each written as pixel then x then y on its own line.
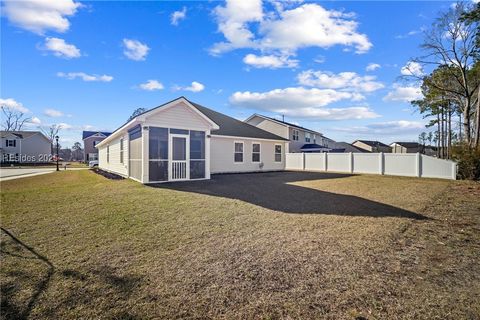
pixel 197 154
pixel 158 154
pixel 135 153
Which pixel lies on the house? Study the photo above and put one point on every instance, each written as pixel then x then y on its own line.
pixel 412 147
pixel 24 147
pixel 182 140
pixel 90 140
pixel 300 139
pixel 347 147
pixel 406 147
pixel 372 146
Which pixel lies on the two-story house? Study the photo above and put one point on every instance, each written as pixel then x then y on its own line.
pixel 301 139
pixel 24 147
pixel 90 141
pixel 372 146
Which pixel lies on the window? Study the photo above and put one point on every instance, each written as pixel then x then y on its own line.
pixel 307 137
pixel 11 143
pixel 108 154
pixel 295 135
pixel 314 139
pixel 278 153
pixel 96 142
pixel 256 152
pixel 238 153
pixel 158 154
pixel 121 150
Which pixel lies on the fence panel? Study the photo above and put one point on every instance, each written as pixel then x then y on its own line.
pixel 410 165
pixel 438 168
pixel 315 161
pixel 294 161
pixel 367 163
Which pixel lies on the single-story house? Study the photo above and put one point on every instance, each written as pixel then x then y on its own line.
pixel 90 140
pixel 412 147
pixel 372 146
pixel 25 147
pixel 182 140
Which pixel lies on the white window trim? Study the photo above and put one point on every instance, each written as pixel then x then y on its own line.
pixel 295 134
pixel 259 153
pixel 308 136
pixel 122 153
pixel 243 152
pixel 275 153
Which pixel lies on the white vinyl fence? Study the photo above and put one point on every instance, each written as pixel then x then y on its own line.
pixel 397 164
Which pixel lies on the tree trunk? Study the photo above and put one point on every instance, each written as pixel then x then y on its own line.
pixel 466 121
pixel 449 147
pixel 477 120
pixel 438 135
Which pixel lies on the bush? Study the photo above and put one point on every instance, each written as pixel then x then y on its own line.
pixel 468 159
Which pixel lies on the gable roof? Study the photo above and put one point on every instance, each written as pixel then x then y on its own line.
pixel 86 134
pixel 372 143
pixel 281 122
pixel 227 126
pixel 350 148
pixel 22 134
pixel 232 127
pixel 408 144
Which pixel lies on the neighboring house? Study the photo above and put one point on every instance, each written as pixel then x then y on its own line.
pixel 412 147
pixel 90 141
pixel 347 147
pixel 182 140
pixel 372 146
pixel 25 147
pixel 301 139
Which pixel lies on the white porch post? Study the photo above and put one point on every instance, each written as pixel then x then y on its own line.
pixel 207 154
pixel 145 155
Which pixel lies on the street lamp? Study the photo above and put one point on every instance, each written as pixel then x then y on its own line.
pixel 56 138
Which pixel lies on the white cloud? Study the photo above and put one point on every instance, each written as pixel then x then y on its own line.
pixel 372 67
pixel 269 61
pixel 135 50
pixel 285 31
pixel 405 94
pixel 320 59
pixel 177 16
pixel 65 126
pixel 39 16
pixel 348 81
pixel 299 102
pixel 194 87
pixel 85 77
pixel 412 69
pixel 53 113
pixel 13 105
pixel 385 128
pixel 151 85
pixel 35 120
pixel 60 48
pixel 410 33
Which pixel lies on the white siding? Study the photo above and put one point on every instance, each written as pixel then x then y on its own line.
pixel 179 116
pixel 221 155
pixel 270 126
pixel 114 165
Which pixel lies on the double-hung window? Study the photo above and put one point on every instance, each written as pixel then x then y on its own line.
pixel 255 152
pixel 238 152
pixel 11 143
pixel 307 137
pixel 295 135
pixel 121 150
pixel 278 153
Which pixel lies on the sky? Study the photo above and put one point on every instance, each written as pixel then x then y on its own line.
pixel 332 66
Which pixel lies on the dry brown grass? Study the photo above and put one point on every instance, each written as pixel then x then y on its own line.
pixel 282 245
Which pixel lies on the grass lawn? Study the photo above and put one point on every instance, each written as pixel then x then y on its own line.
pixel 269 246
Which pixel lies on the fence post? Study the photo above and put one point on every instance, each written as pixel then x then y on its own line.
pixel 381 163
pixel 351 162
pixel 419 164
pixel 454 171
pixel 303 161
pixel 325 161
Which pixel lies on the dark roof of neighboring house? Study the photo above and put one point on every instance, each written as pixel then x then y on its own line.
pixel 408 144
pixel 288 123
pixel 350 148
pixel 232 127
pixel 372 143
pixel 86 134
pixel 312 146
pixel 21 134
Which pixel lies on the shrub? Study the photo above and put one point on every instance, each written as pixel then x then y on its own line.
pixel 468 159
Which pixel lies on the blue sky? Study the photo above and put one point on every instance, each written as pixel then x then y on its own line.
pixel 329 66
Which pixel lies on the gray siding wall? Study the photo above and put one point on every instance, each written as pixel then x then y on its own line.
pixel 33 149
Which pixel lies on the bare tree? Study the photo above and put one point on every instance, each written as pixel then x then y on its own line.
pixel 452 42
pixel 13 120
pixel 77 151
pixel 51 132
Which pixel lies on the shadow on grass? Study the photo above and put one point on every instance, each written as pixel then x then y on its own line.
pixel 95 283
pixel 275 191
